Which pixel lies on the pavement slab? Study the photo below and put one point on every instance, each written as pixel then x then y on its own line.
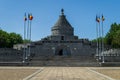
pixel 69 73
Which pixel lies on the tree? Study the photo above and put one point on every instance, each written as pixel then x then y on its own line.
pixel 9 39
pixel 116 40
pixel 3 38
pixel 26 41
pixel 14 39
pixel 113 36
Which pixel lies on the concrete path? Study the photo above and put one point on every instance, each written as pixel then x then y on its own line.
pixel 67 73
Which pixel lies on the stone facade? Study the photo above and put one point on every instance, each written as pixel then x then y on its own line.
pixel 61 42
pixel 61 48
pixel 10 55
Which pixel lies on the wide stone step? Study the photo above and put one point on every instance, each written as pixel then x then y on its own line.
pixel 61 58
pixel 63 61
pixel 60 63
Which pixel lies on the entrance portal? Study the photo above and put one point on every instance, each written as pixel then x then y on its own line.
pixel 60 52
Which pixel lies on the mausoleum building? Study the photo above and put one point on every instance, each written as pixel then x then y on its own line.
pixel 62 42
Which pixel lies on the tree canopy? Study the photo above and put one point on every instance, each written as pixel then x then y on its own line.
pixel 9 39
pixel 113 36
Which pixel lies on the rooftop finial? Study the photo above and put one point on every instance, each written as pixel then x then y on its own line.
pixel 62 11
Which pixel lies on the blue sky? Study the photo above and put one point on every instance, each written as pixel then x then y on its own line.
pixel 80 13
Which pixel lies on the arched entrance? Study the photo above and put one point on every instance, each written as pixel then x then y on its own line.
pixel 60 53
pixel 62 50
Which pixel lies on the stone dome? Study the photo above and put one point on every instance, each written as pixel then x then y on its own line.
pixel 62 27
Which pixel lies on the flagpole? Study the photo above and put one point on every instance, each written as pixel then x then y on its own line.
pixel 30 18
pixel 102 41
pixel 24 37
pixel 24 43
pixel 27 51
pixel 99 42
pixel 30 28
pixel 30 37
pixel 97 50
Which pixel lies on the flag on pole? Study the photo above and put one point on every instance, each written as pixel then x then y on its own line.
pixel 97 19
pixel 103 18
pixel 30 17
pixel 25 18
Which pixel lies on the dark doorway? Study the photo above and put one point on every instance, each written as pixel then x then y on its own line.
pixel 62 37
pixel 60 52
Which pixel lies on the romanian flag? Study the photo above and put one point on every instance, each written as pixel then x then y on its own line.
pixel 25 18
pixel 103 18
pixel 98 19
pixel 30 17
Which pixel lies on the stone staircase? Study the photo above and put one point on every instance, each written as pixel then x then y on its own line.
pixel 15 57
pixel 73 61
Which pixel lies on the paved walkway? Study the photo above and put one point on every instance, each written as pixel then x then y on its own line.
pixel 67 73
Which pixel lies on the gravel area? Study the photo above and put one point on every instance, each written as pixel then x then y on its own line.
pixel 15 74
pixel 55 73
pixel 113 73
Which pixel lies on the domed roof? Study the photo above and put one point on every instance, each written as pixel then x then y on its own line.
pixel 62 26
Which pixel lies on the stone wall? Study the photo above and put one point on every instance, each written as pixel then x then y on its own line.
pixel 8 55
pixel 49 48
pixel 112 55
